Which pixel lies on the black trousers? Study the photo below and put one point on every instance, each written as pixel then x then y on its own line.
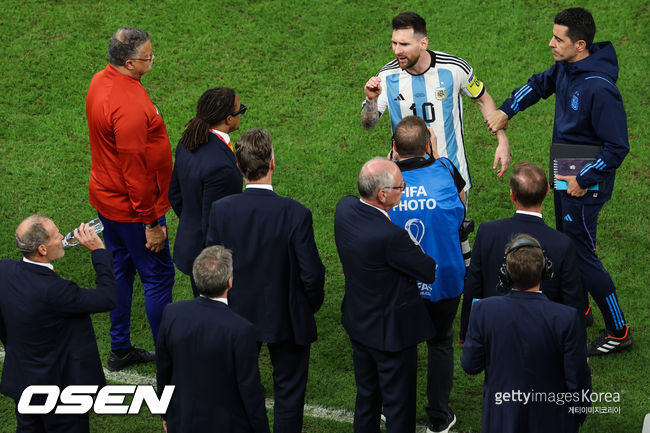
pixel 440 367
pixel 388 377
pixel 51 423
pixel 290 363
pixel 195 290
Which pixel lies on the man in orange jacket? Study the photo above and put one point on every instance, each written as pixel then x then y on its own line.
pixel 129 180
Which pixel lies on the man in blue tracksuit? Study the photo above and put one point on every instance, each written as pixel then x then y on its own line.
pixel 432 211
pixel 588 110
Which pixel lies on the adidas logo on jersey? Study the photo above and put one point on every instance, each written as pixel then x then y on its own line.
pixel 399 97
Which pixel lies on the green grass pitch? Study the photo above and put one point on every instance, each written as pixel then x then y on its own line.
pixel 300 67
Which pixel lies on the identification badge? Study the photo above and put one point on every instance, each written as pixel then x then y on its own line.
pixel 441 93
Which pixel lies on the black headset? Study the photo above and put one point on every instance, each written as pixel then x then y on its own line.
pixel 505 281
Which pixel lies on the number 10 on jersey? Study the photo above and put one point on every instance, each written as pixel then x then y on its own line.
pixel 428 113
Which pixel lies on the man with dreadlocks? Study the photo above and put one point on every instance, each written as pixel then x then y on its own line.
pixel 205 170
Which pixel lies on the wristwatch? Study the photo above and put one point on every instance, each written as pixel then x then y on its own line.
pixel 151 225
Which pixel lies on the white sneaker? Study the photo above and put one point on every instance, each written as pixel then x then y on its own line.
pixel 442 429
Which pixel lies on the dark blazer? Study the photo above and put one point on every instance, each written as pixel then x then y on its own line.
pixel 278 276
pixel 199 178
pixel 209 353
pixel 527 343
pixel 46 328
pixel 488 255
pixel 382 308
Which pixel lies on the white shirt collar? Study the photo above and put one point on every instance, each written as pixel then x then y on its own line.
pixel 260 186
pixel 371 205
pixel 223 300
pixel 47 265
pixel 224 136
pixel 525 212
pixel 528 291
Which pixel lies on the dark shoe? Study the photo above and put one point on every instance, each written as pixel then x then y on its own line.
pixel 589 317
pixel 444 428
pixel 135 356
pixel 608 343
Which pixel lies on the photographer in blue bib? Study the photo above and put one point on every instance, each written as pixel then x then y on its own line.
pixel 432 212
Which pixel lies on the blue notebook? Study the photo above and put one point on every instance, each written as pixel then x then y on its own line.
pixel 569 160
pixel 570 167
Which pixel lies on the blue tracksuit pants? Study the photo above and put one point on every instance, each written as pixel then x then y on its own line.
pixel 580 222
pixel 127 243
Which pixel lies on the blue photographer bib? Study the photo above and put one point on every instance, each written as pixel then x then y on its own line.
pixel 431 212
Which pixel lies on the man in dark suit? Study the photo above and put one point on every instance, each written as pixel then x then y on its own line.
pixel 528 188
pixel 533 352
pixel 45 323
pixel 383 313
pixel 278 274
pixel 209 353
pixel 205 170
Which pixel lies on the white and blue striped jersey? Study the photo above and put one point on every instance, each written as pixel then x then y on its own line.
pixel 435 97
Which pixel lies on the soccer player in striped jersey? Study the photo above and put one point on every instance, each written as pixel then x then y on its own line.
pixel 428 84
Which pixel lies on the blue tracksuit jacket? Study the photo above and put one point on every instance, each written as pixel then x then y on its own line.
pixel 588 110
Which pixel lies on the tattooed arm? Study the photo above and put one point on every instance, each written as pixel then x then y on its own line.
pixel 369 112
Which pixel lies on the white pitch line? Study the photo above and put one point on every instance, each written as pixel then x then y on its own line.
pixel 314 411
pixel 310 410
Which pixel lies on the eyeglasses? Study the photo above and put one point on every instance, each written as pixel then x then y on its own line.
pixel 149 59
pixel 242 110
pixel 402 187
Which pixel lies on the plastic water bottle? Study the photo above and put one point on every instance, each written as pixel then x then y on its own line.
pixel 70 241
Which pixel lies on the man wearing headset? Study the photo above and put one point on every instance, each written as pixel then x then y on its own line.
pixel 533 351
pixel 528 188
